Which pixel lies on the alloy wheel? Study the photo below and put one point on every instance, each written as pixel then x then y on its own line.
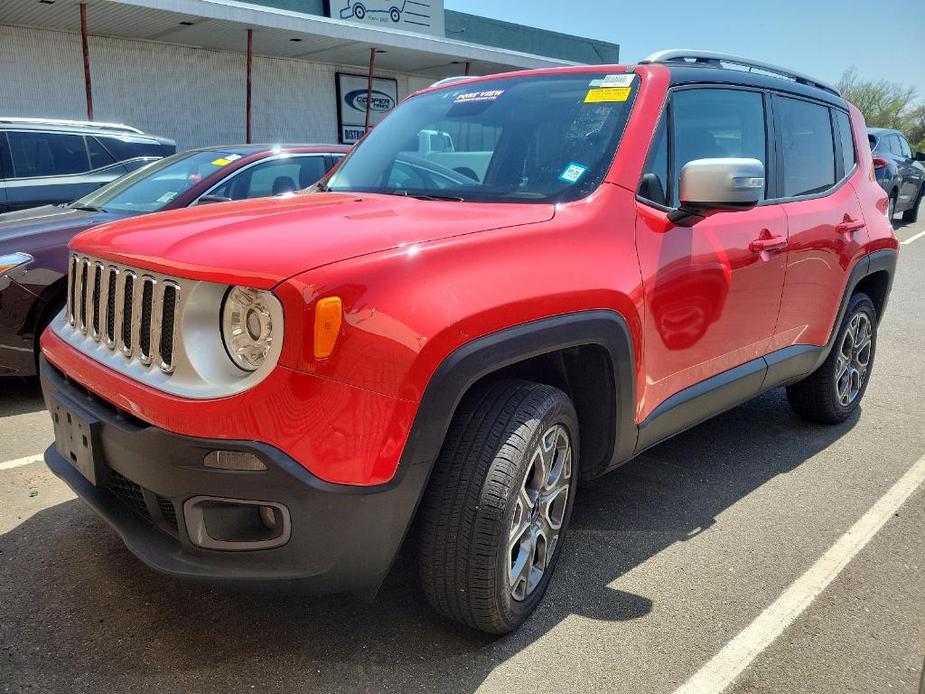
pixel 539 511
pixel 853 359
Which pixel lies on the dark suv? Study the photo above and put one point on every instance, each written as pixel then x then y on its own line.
pixel 46 162
pixel 899 170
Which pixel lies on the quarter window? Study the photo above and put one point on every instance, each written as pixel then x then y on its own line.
pixel 715 123
pixel 847 141
pixel 808 148
pixel 654 183
pixel 47 154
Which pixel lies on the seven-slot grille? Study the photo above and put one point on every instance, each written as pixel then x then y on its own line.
pixel 125 309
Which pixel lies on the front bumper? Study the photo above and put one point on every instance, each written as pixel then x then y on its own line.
pixel 341 538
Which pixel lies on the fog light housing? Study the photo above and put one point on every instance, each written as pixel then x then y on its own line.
pixel 236 524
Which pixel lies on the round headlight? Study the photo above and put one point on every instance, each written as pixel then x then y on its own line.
pixel 247 327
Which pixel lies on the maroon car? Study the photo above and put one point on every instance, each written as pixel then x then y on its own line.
pixel 33 243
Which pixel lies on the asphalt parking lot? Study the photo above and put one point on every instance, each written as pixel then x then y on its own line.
pixel 668 560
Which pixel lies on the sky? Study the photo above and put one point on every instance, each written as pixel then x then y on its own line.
pixel 822 38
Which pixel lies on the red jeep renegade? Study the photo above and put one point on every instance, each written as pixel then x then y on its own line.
pixel 513 285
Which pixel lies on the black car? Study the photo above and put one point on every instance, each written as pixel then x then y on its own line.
pixel 33 243
pixel 900 171
pixel 46 162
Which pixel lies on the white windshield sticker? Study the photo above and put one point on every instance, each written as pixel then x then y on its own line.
pixel 613 81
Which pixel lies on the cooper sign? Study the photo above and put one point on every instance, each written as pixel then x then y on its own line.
pixel 352 96
pixel 420 16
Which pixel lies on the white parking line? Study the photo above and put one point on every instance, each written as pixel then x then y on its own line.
pixel 738 654
pixel 19 462
pixel 913 238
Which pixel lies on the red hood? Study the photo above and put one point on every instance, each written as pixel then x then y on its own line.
pixel 262 242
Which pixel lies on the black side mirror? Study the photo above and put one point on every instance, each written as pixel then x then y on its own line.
pixel 920 156
pixel 209 199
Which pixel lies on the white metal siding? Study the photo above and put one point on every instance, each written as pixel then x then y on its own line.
pixel 192 95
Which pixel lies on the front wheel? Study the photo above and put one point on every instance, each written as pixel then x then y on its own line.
pixel 833 391
pixel 498 505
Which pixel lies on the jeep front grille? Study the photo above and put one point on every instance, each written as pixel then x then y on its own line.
pixel 106 302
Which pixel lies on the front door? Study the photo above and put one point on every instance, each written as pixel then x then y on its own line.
pixel 713 290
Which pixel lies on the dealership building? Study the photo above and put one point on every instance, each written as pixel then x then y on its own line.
pixel 215 71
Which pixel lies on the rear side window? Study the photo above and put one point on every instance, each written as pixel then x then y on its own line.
pixel 129 147
pixel 710 123
pixel 848 157
pixel 47 154
pixel 807 147
pixel 99 157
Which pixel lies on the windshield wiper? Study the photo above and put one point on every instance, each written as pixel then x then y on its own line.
pixel 426 196
pixel 87 208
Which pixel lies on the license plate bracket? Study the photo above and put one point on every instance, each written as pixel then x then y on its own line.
pixel 77 439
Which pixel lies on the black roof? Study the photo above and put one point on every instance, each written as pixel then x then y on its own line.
pixel 77 128
pixel 693 73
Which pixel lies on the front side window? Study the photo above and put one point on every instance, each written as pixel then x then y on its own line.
pixel 540 138
pixel 152 187
pixel 272 177
pixel 904 147
pixel 807 146
pixel 715 123
pixel 47 154
pixel 99 156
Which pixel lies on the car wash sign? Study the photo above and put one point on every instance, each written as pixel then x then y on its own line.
pixel 420 16
pixel 353 95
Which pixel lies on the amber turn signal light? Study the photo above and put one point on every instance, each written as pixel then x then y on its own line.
pixel 328 316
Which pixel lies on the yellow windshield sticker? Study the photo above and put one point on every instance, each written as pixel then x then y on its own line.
pixel 221 162
pixel 605 94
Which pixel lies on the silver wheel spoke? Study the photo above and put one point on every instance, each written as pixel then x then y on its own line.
pixel 853 359
pixel 539 511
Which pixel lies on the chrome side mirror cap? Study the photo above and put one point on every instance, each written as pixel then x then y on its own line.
pixel 727 183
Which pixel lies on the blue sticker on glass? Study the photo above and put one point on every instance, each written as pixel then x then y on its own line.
pixel 572 173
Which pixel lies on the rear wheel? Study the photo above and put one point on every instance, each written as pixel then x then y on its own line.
pixel 912 214
pixel 891 207
pixel 498 505
pixel 833 391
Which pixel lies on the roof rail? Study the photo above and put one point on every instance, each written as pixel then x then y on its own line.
pixel 451 80
pixel 63 121
pixel 682 55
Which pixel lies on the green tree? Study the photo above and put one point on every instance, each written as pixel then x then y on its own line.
pixel 885 104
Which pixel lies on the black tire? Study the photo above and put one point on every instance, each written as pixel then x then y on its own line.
pixel 467 516
pixel 912 214
pixel 359 11
pixel 816 397
pixel 52 309
pixel 891 207
pixel 395 14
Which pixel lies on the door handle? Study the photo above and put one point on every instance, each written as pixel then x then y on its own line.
pixel 849 225
pixel 767 244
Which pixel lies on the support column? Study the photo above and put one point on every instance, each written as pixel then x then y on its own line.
pixel 86 51
pixel 369 86
pixel 249 101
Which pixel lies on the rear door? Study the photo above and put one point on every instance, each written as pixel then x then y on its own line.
pixel 825 221
pixel 910 175
pixel 712 296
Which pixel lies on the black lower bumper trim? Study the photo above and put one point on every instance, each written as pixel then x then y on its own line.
pixel 343 538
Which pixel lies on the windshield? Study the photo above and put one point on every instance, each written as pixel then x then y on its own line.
pixel 537 138
pixel 152 187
